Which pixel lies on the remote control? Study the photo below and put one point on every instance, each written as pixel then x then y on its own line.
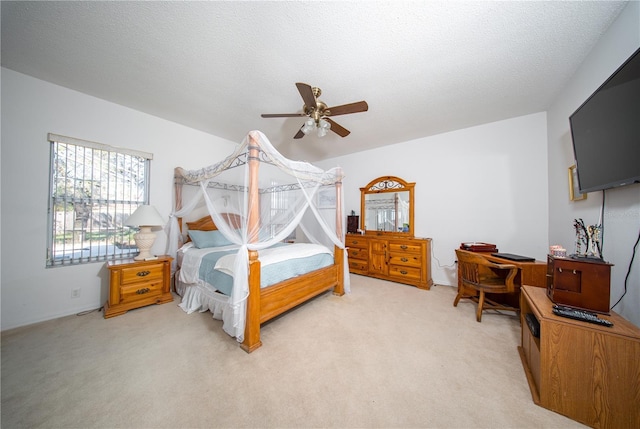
pixel 583 315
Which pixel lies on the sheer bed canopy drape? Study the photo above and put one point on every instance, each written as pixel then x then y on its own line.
pixel 274 197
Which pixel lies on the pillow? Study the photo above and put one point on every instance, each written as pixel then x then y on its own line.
pixel 203 239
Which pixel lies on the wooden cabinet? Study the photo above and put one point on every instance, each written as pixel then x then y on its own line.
pixel 587 372
pixel 399 259
pixel 579 283
pixel 135 284
pixel 378 252
pixel 353 224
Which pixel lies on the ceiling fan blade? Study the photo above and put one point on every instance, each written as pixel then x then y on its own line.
pixel 307 95
pixel 337 128
pixel 282 115
pixel 299 134
pixel 360 106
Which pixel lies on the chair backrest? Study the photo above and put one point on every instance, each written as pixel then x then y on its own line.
pixel 470 268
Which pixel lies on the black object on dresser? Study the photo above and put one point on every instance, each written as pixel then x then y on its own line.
pixel 353 224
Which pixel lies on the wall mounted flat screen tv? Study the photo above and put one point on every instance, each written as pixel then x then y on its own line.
pixel 606 131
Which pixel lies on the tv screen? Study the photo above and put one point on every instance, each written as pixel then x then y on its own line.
pixel 606 131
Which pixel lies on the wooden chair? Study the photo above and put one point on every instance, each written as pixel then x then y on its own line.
pixel 479 276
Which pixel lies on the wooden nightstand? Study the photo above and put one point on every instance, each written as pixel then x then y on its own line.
pixel 135 284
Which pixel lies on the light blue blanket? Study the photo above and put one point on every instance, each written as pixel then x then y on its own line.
pixel 269 275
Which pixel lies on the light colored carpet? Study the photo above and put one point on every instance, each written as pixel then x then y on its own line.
pixel 386 355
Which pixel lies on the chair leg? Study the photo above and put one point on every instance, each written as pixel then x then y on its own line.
pixel 457 300
pixel 480 305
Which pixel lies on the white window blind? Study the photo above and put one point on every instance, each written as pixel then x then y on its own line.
pixel 93 189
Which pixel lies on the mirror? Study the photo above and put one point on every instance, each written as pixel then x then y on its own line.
pixel 387 206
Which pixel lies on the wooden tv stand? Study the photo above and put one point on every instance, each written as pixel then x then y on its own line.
pixel 587 372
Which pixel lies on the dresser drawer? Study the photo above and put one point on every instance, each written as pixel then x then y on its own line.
pixel 141 274
pixel 411 273
pixel 356 242
pixel 405 259
pixel 358 265
pixel 357 253
pixel 405 247
pixel 136 292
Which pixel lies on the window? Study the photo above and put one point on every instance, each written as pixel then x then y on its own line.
pixel 93 190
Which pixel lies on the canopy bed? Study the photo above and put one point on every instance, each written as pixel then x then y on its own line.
pixel 232 238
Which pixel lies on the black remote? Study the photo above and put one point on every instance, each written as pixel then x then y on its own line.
pixel 583 315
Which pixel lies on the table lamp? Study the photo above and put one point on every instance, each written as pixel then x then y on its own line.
pixel 145 217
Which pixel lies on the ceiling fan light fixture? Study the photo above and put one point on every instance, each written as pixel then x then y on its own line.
pixel 318 113
pixel 309 125
pixel 324 125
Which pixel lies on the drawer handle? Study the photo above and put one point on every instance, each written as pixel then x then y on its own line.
pixel 143 273
pixel 560 270
pixel 403 247
pixel 404 259
pixel 354 242
pixel 403 272
pixel 143 290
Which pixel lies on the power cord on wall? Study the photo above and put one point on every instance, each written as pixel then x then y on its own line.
pixel 626 278
pixel 83 313
pixel 602 225
pixel 433 255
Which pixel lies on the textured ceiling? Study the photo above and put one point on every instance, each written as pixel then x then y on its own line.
pixel 423 67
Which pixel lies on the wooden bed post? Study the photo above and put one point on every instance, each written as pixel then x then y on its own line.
pixel 252 327
pixel 338 254
pixel 178 181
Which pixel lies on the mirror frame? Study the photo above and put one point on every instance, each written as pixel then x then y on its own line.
pixel 387 184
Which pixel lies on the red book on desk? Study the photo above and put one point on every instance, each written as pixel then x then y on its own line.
pixel 475 246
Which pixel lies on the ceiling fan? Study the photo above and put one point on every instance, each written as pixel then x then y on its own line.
pixel 318 113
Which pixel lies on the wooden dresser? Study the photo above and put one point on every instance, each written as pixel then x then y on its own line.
pixel 398 259
pixel 135 284
pixel 587 372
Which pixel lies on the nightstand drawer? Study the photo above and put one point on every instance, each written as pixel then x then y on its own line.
pixel 135 284
pixel 141 274
pixel 140 291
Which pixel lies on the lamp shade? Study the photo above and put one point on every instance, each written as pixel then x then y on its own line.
pixel 145 215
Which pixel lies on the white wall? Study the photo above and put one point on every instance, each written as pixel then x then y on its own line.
pixel 31 108
pixel 486 183
pixel 622 205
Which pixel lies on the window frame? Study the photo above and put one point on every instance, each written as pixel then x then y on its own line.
pixel 132 172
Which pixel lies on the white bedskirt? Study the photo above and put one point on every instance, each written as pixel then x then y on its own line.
pixel 203 297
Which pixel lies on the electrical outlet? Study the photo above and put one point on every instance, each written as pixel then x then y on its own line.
pixel 75 293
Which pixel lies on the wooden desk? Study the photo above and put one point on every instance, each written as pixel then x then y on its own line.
pixel 529 273
pixel 587 372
